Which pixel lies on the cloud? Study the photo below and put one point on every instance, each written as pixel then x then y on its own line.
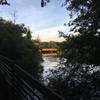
pixel 50 34
pixel 43 21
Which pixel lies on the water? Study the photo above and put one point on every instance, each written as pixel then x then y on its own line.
pixel 48 64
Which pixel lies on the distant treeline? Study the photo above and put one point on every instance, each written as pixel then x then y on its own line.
pixel 51 44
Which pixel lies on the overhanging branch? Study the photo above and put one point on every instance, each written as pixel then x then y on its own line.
pixel 4 2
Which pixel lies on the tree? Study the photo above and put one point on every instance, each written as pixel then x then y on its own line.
pixel 16 44
pixel 87 23
pixel 50 44
pixel 80 86
pixel 78 78
pixel 44 2
pixel 4 2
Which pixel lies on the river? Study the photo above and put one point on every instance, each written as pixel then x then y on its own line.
pixel 48 64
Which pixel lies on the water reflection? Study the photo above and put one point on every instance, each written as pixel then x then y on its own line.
pixel 48 64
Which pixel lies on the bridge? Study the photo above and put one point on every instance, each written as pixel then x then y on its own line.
pixel 17 84
pixel 50 52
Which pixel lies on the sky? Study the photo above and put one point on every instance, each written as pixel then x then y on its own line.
pixel 43 22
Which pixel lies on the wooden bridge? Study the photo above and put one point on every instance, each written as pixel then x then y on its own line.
pixel 17 84
pixel 50 52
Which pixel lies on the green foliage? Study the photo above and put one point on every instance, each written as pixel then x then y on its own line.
pixel 79 78
pixel 4 2
pixel 76 83
pixel 85 47
pixel 50 44
pixel 44 45
pixel 81 49
pixel 16 43
pixel 44 2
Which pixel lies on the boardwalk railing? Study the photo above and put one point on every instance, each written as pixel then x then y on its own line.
pixel 49 51
pixel 22 85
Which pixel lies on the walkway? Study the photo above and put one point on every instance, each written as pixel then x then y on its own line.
pixel 3 89
pixel 17 84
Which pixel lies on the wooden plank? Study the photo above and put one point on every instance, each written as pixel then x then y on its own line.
pixel 49 94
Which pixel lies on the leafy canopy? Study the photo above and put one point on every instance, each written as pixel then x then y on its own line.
pixel 16 43
pixel 85 47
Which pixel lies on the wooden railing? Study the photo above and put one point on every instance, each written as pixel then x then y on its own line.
pixel 50 51
pixel 22 85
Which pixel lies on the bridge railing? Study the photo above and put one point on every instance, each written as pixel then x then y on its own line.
pixel 50 52
pixel 23 85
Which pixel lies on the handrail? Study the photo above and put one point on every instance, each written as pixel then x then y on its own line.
pixel 24 86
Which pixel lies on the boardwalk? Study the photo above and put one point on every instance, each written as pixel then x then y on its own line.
pixel 18 84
